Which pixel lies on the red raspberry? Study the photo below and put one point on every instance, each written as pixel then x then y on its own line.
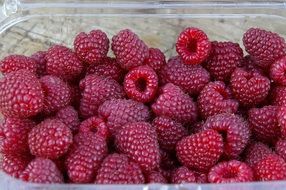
pixel 278 96
pixel 141 84
pixel 107 68
pixel 42 170
pixel 281 116
pixel 119 112
pixel 169 132
pixel 277 71
pixel 193 46
pixel 105 88
pixel 14 165
pixel 264 123
pixel 249 65
pixel 41 62
pixel 280 148
pixel 21 94
pixel 63 62
pixel 96 125
pixel 91 48
pixel 130 51
pixel 270 168
pixel 191 78
pixel 234 130
pixel 14 135
pixel 139 142
pixel 249 88
pixel 200 151
pixel 166 173
pixel 224 58
pixel 232 171
pixel 155 177
pixel 16 62
pixel 69 116
pixel 156 59
pixel 85 157
pixel 215 98
pixel 118 169
pixel 183 175
pixel 57 93
pixel 175 104
pixel 264 46
pixel 50 139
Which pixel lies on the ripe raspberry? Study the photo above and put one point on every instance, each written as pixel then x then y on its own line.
pixel 280 148
pixel 41 62
pixel 278 96
pixel 63 62
pixel 108 68
pixel 130 51
pixel 277 70
pixel 119 112
pixel 69 116
pixel 215 98
pixel 14 135
pixel 264 46
pixel 96 125
pixel 14 165
pixel 57 93
pixel 156 59
pixel 232 171
pixel 281 116
pixel 105 88
pixel 21 94
pixel 224 58
pixel 85 157
pixel 183 175
pixel 42 170
pixel 264 123
pixel 191 78
pixel 155 177
pixel 234 130
pixel 193 46
pixel 118 169
pixel 139 142
pixel 249 88
pixel 175 104
pixel 16 62
pixel 141 84
pixel 91 48
pixel 169 132
pixel 50 139
pixel 271 168
pixel 200 151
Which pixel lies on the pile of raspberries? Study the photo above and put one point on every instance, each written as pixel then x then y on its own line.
pixel 210 114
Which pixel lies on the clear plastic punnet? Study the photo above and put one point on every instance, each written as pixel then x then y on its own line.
pixel 27 26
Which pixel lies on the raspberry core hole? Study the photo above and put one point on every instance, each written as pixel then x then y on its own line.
pixel 141 84
pixel 192 45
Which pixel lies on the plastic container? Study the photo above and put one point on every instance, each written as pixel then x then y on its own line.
pixel 27 26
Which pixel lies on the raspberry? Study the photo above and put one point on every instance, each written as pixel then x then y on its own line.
pixel 42 170
pixel 264 123
pixel 118 169
pixel 156 59
pixel 183 175
pixel 105 88
pixel 232 171
pixel 249 64
pixel 169 132
pixel 57 93
pixel 281 116
pixel 277 71
pixel 271 168
pixel 215 98
pixel 107 68
pixel 191 78
pixel 41 62
pixel 280 148
pixel 129 50
pixel 91 48
pixel 224 58
pixel 234 130
pixel 200 151
pixel 264 46
pixel 14 165
pixel 95 124
pixel 85 157
pixel 249 88
pixel 16 62
pixel 278 96
pixel 193 46
pixel 69 116
pixel 141 84
pixel 119 112
pixel 139 142
pixel 14 135
pixel 63 62
pixel 21 94
pixel 175 104
pixel 155 177
pixel 50 139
